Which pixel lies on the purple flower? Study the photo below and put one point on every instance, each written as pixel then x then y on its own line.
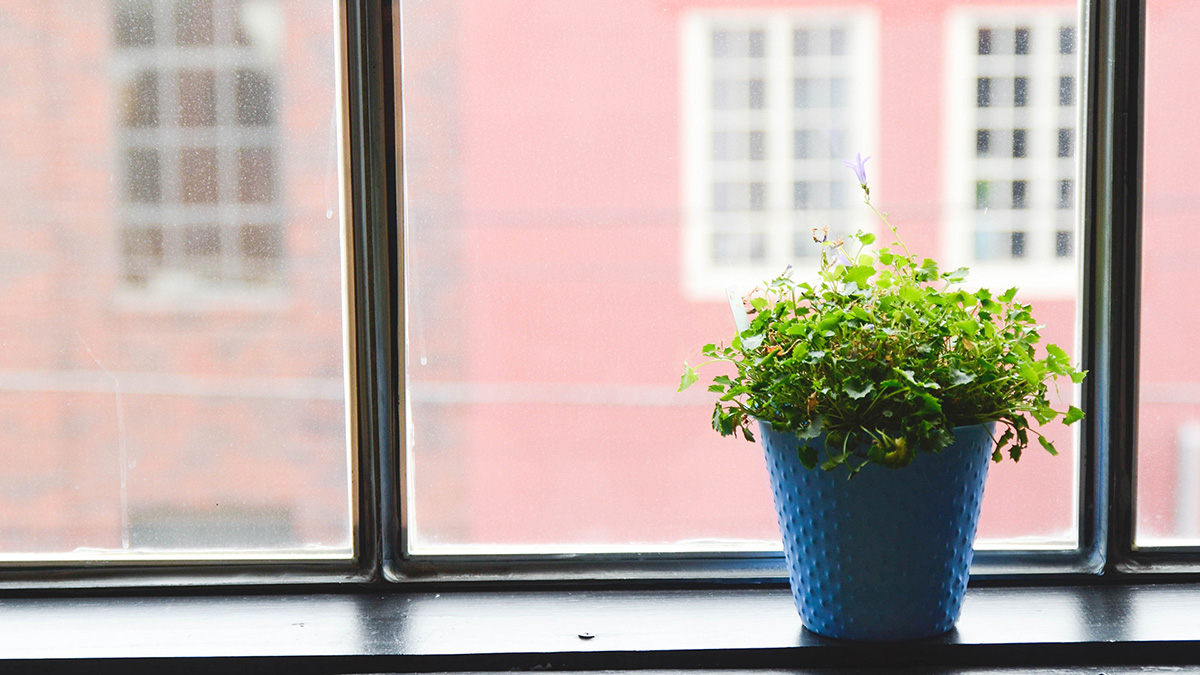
pixel 860 168
pixel 841 257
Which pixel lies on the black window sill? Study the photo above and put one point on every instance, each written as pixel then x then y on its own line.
pixel 1081 628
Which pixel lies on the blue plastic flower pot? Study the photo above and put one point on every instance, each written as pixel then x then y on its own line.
pixel 884 555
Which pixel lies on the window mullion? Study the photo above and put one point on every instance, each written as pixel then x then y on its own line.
pixel 1112 275
pixel 367 116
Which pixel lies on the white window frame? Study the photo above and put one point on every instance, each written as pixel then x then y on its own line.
pixel 703 278
pixel 1042 274
pixel 231 269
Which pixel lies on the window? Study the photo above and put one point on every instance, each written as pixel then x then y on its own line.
pixel 1024 94
pixel 791 94
pixel 170 390
pixel 198 97
pixel 1168 452
pixel 476 294
pixel 554 253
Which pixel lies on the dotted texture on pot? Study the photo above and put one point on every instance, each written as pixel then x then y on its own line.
pixel 884 555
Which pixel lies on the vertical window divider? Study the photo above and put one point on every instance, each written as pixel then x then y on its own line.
pixel 1128 45
pixel 1112 277
pixel 378 297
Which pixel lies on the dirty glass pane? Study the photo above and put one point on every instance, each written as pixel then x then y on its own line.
pixel 582 186
pixel 1168 459
pixel 173 374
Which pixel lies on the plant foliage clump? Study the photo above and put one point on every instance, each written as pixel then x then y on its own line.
pixel 884 355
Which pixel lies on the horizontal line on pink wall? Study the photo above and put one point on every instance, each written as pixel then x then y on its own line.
pixel 554 392
pixel 171 384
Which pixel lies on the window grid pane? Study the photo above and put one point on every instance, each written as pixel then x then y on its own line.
pixel 173 384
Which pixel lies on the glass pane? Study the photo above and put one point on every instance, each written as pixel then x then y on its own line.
pixel 582 186
pixel 1168 460
pixel 173 371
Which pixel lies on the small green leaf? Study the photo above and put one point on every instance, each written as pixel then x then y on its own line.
pixel 857 392
pixel 911 377
pixel 866 238
pixel 1044 415
pixel 859 275
pixel 910 294
pixel 811 431
pixel 1073 415
pixel 957 275
pixel 808 456
pixel 1028 374
pixel 1058 353
pixel 929 404
pixel 722 421
pixel 959 377
pixel 689 377
pixel 1047 445
pixel 928 271
pixel 969 326
pixel 829 322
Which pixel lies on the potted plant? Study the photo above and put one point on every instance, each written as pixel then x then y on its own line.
pixel 880 390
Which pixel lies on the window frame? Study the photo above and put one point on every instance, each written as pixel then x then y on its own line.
pixel 781 224
pixel 367 165
pixel 1084 564
pixel 1040 221
pixel 218 143
pixel 1109 140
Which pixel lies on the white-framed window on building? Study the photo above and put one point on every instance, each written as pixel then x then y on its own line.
pixel 773 103
pixel 1011 165
pixel 197 142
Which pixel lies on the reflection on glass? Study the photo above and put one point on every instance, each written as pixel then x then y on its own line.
pixel 574 221
pixel 172 378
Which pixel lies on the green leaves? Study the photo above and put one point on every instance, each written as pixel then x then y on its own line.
pixel 883 355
